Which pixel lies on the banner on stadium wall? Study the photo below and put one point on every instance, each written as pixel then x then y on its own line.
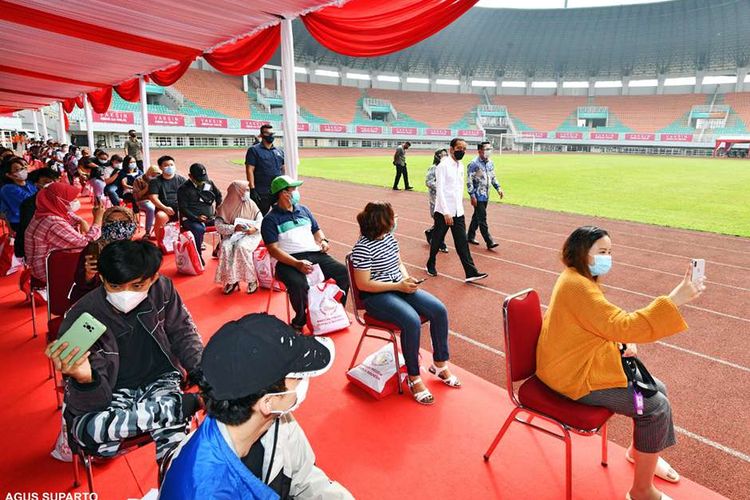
pixel 166 120
pixel 569 135
pixel 440 132
pixel 252 124
pixel 676 137
pixel 124 117
pixel 210 122
pixel 534 134
pixel 604 136
pixel 640 137
pixel 403 131
pixel 303 127
pixel 471 133
pixel 331 127
pixel 367 129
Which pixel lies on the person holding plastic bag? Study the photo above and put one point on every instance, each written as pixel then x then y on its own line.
pixel 238 221
pixel 391 295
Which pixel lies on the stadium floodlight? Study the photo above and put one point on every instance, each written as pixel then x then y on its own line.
pixel 327 72
pixel 676 82
pixel 513 84
pixel 358 76
pixel 718 80
pixel 643 83
pixel 446 81
pixel 483 83
pixel 576 85
pixel 543 85
pixel 415 79
pixel 389 78
pixel 608 84
pixel 302 71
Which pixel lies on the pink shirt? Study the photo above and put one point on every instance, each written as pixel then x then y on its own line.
pixel 46 234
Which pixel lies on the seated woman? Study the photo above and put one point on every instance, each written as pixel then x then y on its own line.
pixel 238 222
pixel 126 180
pixel 391 295
pixel 97 183
pixel 579 355
pixel 118 223
pixel 140 195
pixel 14 190
pixel 55 226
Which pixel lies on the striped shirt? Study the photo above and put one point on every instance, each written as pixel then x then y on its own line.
pixel 380 257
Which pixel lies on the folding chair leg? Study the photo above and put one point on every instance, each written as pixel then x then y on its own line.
pixel 51 366
pixel 359 346
pixel 568 466
pixel 76 474
pixel 605 457
pixel 499 436
pixel 398 365
pixel 33 313
pixel 58 398
pixel 89 472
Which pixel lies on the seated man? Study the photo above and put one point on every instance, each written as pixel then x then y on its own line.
pixel 256 372
pixel 294 238
pixel 197 200
pixel 129 382
pixel 163 194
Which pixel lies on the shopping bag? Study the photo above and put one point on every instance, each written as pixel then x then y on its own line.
pixel 9 263
pixel 376 375
pixel 171 236
pixel 186 255
pixel 265 267
pixel 325 312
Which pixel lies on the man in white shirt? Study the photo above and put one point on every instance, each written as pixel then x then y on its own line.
pixel 449 211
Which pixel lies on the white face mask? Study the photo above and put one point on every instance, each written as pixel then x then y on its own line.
pixel 300 390
pixel 74 206
pixel 21 175
pixel 126 301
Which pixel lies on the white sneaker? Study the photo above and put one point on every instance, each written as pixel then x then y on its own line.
pixel 472 279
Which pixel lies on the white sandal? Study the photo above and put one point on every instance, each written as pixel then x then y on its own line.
pixel 662 468
pixel 422 397
pixel 663 496
pixel 451 381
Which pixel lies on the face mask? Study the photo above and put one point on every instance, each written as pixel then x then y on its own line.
pixel 117 166
pixel 169 170
pixel 21 175
pixel 459 154
pixel 300 390
pixel 269 138
pixel 602 264
pixel 132 166
pixel 74 206
pixel 295 197
pixel 487 154
pixel 246 196
pixel 126 301
pixel 118 230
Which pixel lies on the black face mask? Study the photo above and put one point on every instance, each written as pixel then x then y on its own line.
pixel 459 154
pixel 268 138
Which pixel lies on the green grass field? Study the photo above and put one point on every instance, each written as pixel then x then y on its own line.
pixel 703 194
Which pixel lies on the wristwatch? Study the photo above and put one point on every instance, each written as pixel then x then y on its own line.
pixel 326 240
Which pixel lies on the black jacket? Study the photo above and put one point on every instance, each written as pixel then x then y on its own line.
pixel 194 202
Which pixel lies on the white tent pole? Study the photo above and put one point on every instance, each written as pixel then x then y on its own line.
pixel 290 99
pixel 89 124
pixel 36 124
pixel 44 125
pixel 144 123
pixel 62 136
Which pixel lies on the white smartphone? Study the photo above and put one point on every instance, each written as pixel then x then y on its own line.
pixel 698 270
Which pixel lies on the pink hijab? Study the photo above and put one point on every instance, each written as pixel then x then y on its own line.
pixel 235 206
pixel 55 200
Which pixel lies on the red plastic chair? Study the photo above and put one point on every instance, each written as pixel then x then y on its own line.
pixel 369 323
pixel 522 320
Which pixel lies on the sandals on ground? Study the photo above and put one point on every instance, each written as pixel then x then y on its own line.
pixel 230 287
pixel 663 496
pixel 252 287
pixel 451 381
pixel 662 468
pixel 422 397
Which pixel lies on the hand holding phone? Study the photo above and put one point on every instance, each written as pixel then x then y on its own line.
pixel 417 281
pixel 697 270
pixel 81 335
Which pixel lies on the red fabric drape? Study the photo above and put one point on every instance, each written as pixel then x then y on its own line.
pixel 67 122
pixel 364 28
pixel 129 90
pixel 247 54
pixel 167 77
pixel 79 101
pixel 100 99
pixel 69 104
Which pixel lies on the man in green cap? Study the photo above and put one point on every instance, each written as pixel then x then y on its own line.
pixel 295 240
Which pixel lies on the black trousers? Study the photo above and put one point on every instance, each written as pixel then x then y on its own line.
pixel 458 230
pixel 479 220
pixel 266 201
pixel 401 170
pixel 296 282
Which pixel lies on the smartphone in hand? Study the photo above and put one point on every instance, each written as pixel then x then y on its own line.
pixel 418 281
pixel 698 270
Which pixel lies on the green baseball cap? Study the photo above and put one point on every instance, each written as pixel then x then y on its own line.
pixel 283 182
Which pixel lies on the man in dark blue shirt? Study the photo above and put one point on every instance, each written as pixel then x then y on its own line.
pixel 263 163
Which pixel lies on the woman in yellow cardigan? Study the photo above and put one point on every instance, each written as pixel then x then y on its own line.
pixel 579 355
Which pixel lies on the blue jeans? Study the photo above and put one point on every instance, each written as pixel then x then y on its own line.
pixel 404 310
pixel 150 210
pixel 111 192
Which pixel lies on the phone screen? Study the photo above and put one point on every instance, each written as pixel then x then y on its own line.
pixel 698 270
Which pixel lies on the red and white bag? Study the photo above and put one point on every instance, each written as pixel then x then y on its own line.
pixel 376 375
pixel 186 255
pixel 325 312
pixel 171 236
pixel 9 263
pixel 265 267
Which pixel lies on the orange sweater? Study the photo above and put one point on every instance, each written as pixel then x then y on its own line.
pixel 578 345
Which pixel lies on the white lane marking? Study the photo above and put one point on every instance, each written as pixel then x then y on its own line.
pixel 726 449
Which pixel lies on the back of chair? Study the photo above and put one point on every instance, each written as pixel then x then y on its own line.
pixel 354 294
pixel 522 319
pixel 61 270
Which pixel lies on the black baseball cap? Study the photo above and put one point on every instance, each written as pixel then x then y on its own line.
pixel 254 352
pixel 198 172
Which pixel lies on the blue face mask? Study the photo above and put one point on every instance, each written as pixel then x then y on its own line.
pixel 295 197
pixel 602 264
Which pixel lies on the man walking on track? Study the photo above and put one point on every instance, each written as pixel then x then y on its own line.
pixel 449 211
pixel 481 175
pixel 399 160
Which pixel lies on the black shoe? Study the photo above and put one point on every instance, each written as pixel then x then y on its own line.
pixel 473 241
pixel 408 188
pixel 297 328
pixel 431 270
pixel 396 189
pixel 428 235
pixel 476 277
pixel 443 249
pixel 492 245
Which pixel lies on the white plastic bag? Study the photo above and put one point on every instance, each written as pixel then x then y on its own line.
pixel 377 373
pixel 265 267
pixel 186 255
pixel 325 312
pixel 171 236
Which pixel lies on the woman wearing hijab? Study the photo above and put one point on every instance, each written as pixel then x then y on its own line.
pixel 238 221
pixel 118 223
pixel 55 226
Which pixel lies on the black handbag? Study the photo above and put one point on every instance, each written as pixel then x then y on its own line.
pixel 646 385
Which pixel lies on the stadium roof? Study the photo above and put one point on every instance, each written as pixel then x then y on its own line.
pixel 674 37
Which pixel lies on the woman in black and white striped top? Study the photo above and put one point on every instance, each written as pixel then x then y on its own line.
pixel 391 295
